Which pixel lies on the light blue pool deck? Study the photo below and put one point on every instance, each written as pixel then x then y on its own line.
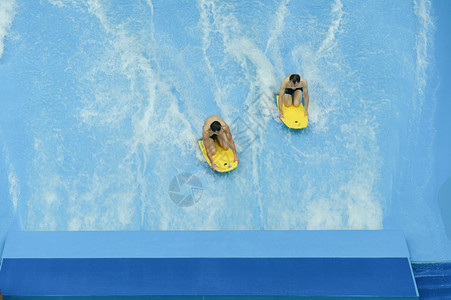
pixel 206 244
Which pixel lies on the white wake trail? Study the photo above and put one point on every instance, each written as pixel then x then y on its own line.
pixel 7 13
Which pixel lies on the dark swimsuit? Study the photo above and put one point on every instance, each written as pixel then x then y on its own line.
pixel 214 136
pixel 291 91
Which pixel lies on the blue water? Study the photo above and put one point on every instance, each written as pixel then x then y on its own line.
pixel 103 103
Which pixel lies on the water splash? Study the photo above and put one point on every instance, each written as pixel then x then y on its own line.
pixel 13 181
pixel 7 13
pixel 329 42
pixel 276 35
pixel 423 47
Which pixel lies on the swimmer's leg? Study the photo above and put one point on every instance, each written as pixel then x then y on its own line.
pixel 223 142
pixel 287 99
pixel 211 146
pixel 297 98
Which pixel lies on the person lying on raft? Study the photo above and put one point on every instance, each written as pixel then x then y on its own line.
pixel 216 129
pixel 290 92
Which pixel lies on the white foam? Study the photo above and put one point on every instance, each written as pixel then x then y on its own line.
pixel 275 36
pixel 14 189
pixel 215 19
pixel 423 133
pixel 14 186
pixel 59 3
pixel 423 47
pixel 354 205
pixel 337 14
pixel 7 13
pixel 206 13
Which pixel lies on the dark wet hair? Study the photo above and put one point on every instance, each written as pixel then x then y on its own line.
pixel 215 126
pixel 295 78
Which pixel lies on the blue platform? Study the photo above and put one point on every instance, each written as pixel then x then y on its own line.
pixel 209 263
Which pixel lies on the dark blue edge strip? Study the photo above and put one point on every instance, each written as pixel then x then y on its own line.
pixel 388 277
pixel 433 279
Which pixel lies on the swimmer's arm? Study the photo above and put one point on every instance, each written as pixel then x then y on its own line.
pixel 207 146
pixel 231 142
pixel 281 93
pixel 306 98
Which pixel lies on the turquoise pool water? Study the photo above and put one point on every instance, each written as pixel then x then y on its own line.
pixel 103 103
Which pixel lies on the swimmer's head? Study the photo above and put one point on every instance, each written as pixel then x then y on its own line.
pixel 295 79
pixel 215 126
